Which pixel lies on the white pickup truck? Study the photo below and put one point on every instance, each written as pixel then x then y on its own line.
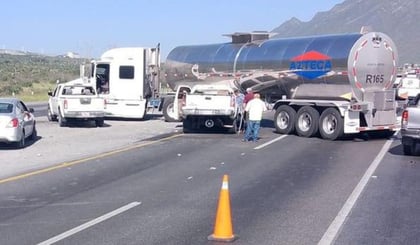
pixel 209 106
pixel 75 101
pixel 408 87
pixel 410 126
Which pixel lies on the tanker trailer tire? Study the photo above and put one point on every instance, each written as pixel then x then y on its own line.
pixel 331 124
pixel 307 120
pixel 168 110
pixel 284 119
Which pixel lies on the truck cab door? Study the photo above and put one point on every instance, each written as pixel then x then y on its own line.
pixel 179 100
pixel 54 100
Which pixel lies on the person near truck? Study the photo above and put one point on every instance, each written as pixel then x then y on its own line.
pixel 254 109
pixel 239 100
pixel 249 95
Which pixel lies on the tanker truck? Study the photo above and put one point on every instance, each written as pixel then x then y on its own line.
pixel 328 85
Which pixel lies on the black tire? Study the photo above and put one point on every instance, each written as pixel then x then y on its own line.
pixel 284 119
pixel 307 120
pixel 50 116
pixel 187 126
pixel 21 143
pixel 331 124
pixel 34 134
pixel 235 127
pixel 409 149
pixel 99 122
pixel 168 110
pixel 61 120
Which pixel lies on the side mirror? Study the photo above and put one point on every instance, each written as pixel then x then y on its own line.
pixel 49 93
pixel 31 110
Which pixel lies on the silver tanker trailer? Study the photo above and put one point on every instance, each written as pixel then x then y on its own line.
pixel 330 84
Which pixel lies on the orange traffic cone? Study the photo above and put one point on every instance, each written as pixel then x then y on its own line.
pixel 223 230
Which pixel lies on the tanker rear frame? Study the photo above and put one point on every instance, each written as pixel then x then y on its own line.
pixel 334 119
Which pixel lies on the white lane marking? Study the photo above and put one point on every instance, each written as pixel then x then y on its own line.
pixel 332 231
pixel 270 142
pixel 89 224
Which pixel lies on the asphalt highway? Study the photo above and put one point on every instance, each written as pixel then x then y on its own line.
pixel 165 190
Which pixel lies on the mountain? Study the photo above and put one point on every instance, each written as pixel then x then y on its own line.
pixel 399 19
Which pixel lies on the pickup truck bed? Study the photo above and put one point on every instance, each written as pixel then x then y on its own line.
pixel 209 106
pixel 71 102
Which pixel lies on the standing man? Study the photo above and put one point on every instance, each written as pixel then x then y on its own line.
pixel 254 109
pixel 248 96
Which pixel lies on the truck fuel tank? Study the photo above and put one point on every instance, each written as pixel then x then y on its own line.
pixel 341 66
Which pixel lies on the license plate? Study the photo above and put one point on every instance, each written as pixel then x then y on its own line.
pixel 85 114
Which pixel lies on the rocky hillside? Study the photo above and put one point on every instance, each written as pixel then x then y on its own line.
pixel 398 18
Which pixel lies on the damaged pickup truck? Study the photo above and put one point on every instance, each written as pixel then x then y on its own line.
pixel 74 101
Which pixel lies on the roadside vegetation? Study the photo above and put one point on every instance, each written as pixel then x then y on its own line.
pixel 29 77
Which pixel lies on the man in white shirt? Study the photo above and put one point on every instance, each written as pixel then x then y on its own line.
pixel 254 109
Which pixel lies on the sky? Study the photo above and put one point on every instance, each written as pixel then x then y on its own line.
pixel 90 27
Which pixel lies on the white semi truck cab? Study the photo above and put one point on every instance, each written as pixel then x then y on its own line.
pixel 127 78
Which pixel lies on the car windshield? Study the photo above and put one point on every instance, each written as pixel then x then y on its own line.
pixel 6 108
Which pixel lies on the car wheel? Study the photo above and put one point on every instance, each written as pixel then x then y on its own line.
pixel 99 122
pixel 409 149
pixel 21 143
pixel 235 127
pixel 61 120
pixel 50 115
pixel 187 126
pixel 34 134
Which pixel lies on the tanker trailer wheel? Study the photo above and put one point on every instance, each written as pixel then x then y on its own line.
pixel 284 119
pixel 168 110
pixel 307 121
pixel 331 124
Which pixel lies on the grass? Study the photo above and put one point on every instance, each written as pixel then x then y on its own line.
pixel 36 93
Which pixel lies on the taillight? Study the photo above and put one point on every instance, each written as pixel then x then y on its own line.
pixel 14 123
pixel 232 101
pixel 65 104
pixel 104 103
pixel 404 118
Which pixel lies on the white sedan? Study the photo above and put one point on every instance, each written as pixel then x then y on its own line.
pixel 17 122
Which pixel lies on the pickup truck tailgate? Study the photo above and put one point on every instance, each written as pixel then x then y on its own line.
pixel 208 101
pixel 413 121
pixel 85 103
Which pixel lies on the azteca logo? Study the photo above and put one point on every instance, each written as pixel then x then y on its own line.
pixel 311 64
